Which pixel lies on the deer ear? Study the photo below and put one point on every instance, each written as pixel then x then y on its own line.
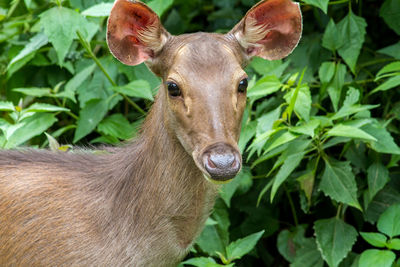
pixel 271 29
pixel 134 32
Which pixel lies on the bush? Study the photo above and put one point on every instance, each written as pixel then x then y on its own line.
pixel 321 183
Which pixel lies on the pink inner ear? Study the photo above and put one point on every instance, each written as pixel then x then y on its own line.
pixel 126 21
pixel 280 21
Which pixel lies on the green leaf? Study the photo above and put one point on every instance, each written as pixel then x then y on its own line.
pixel 6 106
pixel 290 241
pixel 43 107
pixel 291 158
pixel 389 84
pixel 264 87
pixel 391 50
pixel 160 6
pixel 375 258
pixel 79 78
pixel 138 88
pixel 352 32
pixel 322 4
pixel 35 43
pixel 241 247
pixel 326 71
pixel 203 262
pixel 282 139
pixel 117 126
pixel 93 112
pixel 34 91
pixel 390 12
pixel 228 190
pixel 388 69
pixel 339 183
pixel 60 25
pixel 306 182
pixel 32 126
pixel 99 10
pixel 378 176
pixel 331 39
pixel 302 103
pixel 384 143
pixel 336 85
pixel 308 255
pixel 349 131
pixel 388 222
pixel 375 239
pixel 393 243
pixel 335 239
pixel 307 128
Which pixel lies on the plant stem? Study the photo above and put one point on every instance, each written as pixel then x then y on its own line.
pixel 88 49
pixel 296 222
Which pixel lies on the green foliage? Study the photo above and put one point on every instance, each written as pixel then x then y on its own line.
pixel 320 135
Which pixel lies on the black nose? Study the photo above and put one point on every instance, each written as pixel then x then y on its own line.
pixel 221 161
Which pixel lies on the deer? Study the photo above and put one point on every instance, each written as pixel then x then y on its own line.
pixel 143 203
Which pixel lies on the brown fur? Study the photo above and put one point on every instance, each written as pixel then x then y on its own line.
pixel 69 209
pixel 141 204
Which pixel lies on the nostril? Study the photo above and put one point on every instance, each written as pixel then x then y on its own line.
pixel 222 161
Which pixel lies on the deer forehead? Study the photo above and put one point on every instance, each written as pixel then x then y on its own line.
pixel 205 60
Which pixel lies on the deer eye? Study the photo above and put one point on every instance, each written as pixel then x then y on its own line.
pixel 173 89
pixel 242 86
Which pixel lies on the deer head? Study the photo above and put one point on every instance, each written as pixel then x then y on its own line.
pixel 203 88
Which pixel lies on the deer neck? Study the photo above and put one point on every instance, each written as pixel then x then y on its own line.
pixel 161 184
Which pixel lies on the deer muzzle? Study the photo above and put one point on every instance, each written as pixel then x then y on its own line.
pixel 222 162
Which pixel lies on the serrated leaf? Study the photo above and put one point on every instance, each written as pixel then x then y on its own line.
pixel 307 128
pixel 375 258
pixel 291 159
pixel 99 10
pixel 32 126
pixel 138 88
pixel 302 103
pixel 384 141
pixel 335 239
pixel 349 131
pixel 242 246
pixel 378 176
pixel 388 222
pixel 322 4
pixel 338 182
pixel 117 126
pixel 34 44
pixel 282 139
pixel 60 25
pixel 308 255
pixel 93 112
pixel 352 31
pixel 331 39
pixel 390 12
pixel 335 86
pixel 79 78
pixel 375 239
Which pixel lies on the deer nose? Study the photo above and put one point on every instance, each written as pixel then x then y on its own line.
pixel 222 162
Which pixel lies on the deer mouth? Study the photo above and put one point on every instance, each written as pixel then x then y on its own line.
pixel 220 163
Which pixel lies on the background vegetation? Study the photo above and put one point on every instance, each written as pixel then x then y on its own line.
pixel 321 181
